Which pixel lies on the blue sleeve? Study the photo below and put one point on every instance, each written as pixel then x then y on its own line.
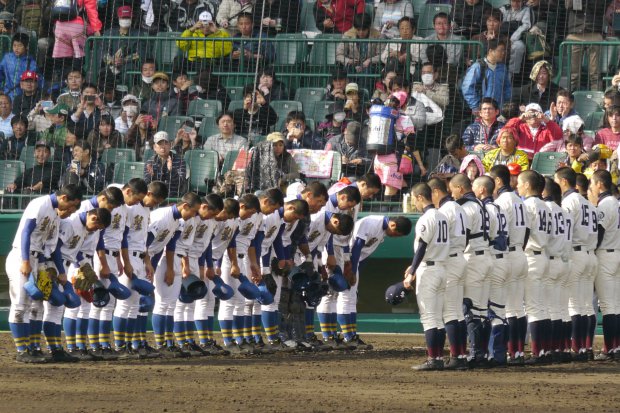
pixel 417 258
pixel 79 257
pixel 330 245
pixel 233 240
pixel 57 257
pixel 257 242
pixel 201 259
pixel 287 252
pixel 468 87
pixel 356 252
pixel 101 242
pixel 507 90
pixel 172 244
pixel 155 259
pixel 346 249
pixel 150 237
pixel 278 247
pixel 265 258
pixel 29 227
pixel 209 256
pixel 124 243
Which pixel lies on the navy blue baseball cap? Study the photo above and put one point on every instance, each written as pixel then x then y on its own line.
pixel 396 293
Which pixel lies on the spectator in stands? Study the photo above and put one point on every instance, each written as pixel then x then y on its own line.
pixel 186 13
pixel 21 137
pixel 37 119
pixel 576 157
pixel 541 89
pixel 506 153
pixel 281 16
pixel 585 24
pixel 129 112
pixel 84 169
pixel 469 16
pixel 612 9
pixel 27 100
pixel 64 153
pixel 572 125
pixel 610 134
pixel 336 16
pixel 481 136
pixel 493 21
pixel 14 63
pixel 388 14
pixel 439 93
pixel 161 102
pixel 181 84
pixel 449 165
pixel 355 161
pixel 542 12
pixel 534 130
pixel 140 135
pixel 337 85
pixel 298 135
pixel 438 56
pixel 121 54
pixel 41 178
pixel 488 78
pixel 209 86
pixel 88 113
pixel 229 12
pixel 5 116
pixel 73 95
pixel 186 138
pixel 8 23
pixel 166 166
pixel 517 20
pixel 563 107
pixel 203 53
pixel 270 165
pixel 334 123
pixel 252 51
pixel 142 90
pixel 226 140
pixel 111 97
pixel 271 87
pixel 441 24
pixel 353 106
pixel 472 167
pixel 256 117
pixel 419 108
pixel 382 87
pixel 104 136
pixel 71 35
pixel 612 95
pixel 358 57
pixel 397 53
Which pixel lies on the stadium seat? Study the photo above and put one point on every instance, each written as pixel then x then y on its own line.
pixel 208 127
pixel 308 23
pixel 308 96
pixel 148 154
pixel 588 102
pixel 124 171
pixel 172 124
pixel 204 108
pixel 594 120
pixel 229 161
pixel 202 166
pixel 235 104
pixel 166 50
pixel 323 54
pixel 498 3
pixel 291 52
pixel 546 163
pixel 282 108
pixel 425 21
pixel 234 93
pixel 418 6
pixel 9 170
pixel 320 110
pixel 27 156
pixel 311 124
pixel 116 155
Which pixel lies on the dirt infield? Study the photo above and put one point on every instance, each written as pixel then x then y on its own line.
pixel 380 380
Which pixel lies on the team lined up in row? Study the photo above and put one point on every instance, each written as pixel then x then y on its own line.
pixel 220 240
pixel 490 261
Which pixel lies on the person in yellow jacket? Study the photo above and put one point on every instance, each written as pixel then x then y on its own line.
pixel 198 50
pixel 506 153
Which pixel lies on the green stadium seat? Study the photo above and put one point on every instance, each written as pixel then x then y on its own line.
pixel 148 154
pixel 425 21
pixel 116 155
pixel 323 54
pixel 308 23
pixel 9 171
pixel 320 110
pixel 291 52
pixel 308 96
pixel 282 108
pixel 202 166
pixel 208 127
pixel 235 104
pixel 311 124
pixel 498 3
pixel 594 120
pixel 204 108
pixel 124 171
pixel 229 161
pixel 546 163
pixel 418 6
pixel 172 124
pixel 166 50
pixel 27 156
pixel 588 102
pixel 235 92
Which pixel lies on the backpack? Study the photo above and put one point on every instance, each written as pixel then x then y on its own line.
pixel 66 10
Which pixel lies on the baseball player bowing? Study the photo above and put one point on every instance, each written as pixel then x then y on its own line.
pixel 453 318
pixel 431 250
pixel 530 185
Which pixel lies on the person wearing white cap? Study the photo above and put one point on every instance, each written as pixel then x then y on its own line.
pixel 197 51
pixel 572 125
pixel 186 13
pixel 166 166
pixel 534 130
pixel 131 106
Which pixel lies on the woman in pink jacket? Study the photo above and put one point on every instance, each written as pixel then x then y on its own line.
pixel 71 35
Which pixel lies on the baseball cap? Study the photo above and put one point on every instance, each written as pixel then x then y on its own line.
pixel 161 136
pixel 572 123
pixel 59 109
pixel 161 75
pixel 29 75
pixel 339 73
pixel 514 168
pixel 42 143
pixel 128 98
pixel 533 107
pixel 124 12
pixel 275 137
pixel 7 16
pixel 353 128
pixel 351 87
pixel 205 17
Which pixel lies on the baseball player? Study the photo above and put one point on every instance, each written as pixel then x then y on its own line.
pixel 161 244
pixel 201 251
pixel 558 250
pixel 494 332
pixel 580 216
pixel 431 250
pixel 608 257
pixel 512 207
pixel 73 231
pixel 39 217
pixel 530 185
pixel 478 265
pixel 138 216
pixel 455 272
pixel 368 233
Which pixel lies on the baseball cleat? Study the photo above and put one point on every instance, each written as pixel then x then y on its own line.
pixel 84 355
pixel 580 357
pixel 106 353
pixel 590 354
pixel 214 349
pixel 59 355
pixel 317 345
pixel 357 343
pixel 455 363
pixel 282 347
pixel 194 350
pixel 28 357
pixel 172 352
pixel 247 347
pixel 429 365
pixel 516 361
pixel 603 357
pixel 235 350
pixel 478 364
pixel 126 353
pixel 334 343
pixel 536 361
pixel 260 347
pixel 147 352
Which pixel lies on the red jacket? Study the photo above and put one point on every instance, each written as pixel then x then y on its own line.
pixel 342 13
pixel 546 133
pixel 92 15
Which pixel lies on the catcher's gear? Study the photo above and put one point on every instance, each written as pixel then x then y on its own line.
pixel 396 293
pixel 118 290
pixel 142 287
pixel 193 287
pixel 337 281
pixel 222 290
pixel 147 303
pixel 247 288
pixel 72 300
pixel 299 277
pixel 101 296
pixel 84 278
pixel 270 283
pixel 56 298
pixel 265 297
pixel 31 288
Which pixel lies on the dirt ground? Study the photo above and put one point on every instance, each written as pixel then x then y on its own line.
pixel 380 381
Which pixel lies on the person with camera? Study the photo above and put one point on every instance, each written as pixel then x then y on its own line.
pixel 87 114
pixel 186 138
pixel 199 51
pixel 256 117
pixel 42 178
pixel 140 135
pixel 298 135
pixel 166 166
pixel 84 170
pixel 534 130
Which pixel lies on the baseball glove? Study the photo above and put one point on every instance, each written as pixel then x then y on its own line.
pixel 84 278
pixel 44 283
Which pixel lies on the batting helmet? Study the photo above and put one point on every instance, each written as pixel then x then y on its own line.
pixel 265 297
pixel 396 293
pixel 247 288
pixel 222 290
pixel 56 298
pixel 142 287
pixel 118 290
pixel 337 281
pixel 31 288
pixel 101 296
pixel 147 303
pixel 194 287
pixel 299 278
pixel 72 300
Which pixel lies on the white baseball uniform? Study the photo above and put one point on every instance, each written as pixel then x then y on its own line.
pixel 608 254
pixel 538 215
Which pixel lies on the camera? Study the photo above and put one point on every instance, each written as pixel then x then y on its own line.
pixel 90 98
